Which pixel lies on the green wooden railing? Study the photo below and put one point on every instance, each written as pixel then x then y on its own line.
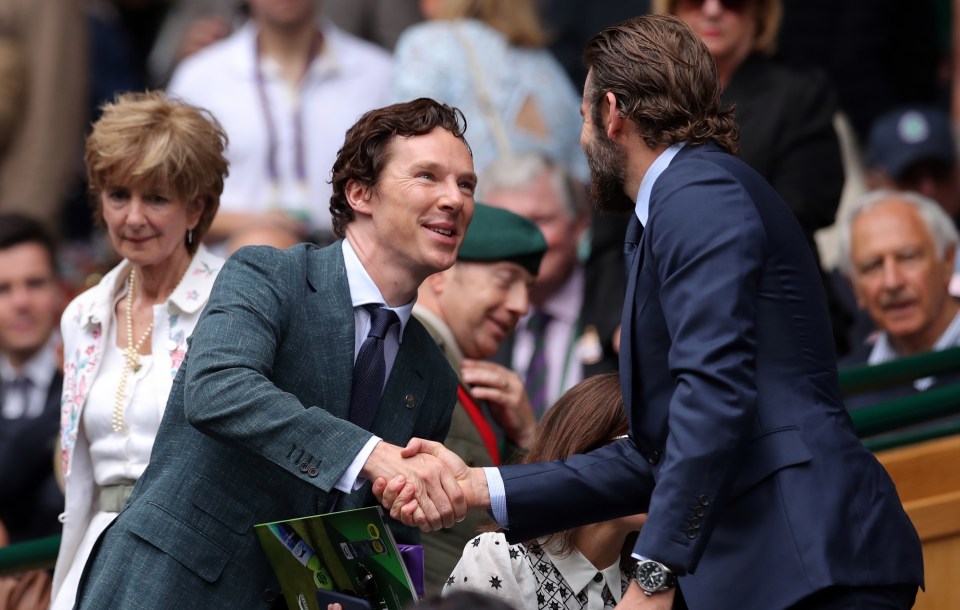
pixel 892 415
pixel 884 418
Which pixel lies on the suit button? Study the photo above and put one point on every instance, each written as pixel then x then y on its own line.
pixel 313 471
pixel 304 467
pixel 691 533
pixel 698 511
pixel 269 595
pixel 695 522
pixel 704 500
pixel 654 457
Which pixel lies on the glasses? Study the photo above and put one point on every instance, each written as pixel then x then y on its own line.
pixel 736 6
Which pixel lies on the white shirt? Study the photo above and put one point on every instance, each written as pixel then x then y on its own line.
pixel 883 350
pixel 347 78
pixel 364 291
pixel 40 371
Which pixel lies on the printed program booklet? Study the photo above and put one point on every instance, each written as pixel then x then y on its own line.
pixel 350 552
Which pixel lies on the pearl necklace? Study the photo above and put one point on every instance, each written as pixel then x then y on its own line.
pixel 131 356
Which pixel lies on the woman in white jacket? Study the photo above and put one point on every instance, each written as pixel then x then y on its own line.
pixel 156 170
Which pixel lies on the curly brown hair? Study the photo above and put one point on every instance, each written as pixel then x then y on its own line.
pixel 664 80
pixel 149 139
pixel 366 146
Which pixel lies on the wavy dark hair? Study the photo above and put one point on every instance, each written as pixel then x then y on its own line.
pixel 366 146
pixel 664 80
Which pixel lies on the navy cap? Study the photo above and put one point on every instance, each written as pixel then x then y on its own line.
pixel 901 138
pixel 497 235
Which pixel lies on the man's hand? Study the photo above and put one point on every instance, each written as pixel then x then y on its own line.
pixel 429 482
pixel 504 391
pixel 635 598
pixel 400 496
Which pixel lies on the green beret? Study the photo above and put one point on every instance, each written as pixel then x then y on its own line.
pixel 496 235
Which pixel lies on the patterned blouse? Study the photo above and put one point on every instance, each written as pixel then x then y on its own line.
pixel 534 577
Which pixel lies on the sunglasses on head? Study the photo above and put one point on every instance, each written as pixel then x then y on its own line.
pixel 736 6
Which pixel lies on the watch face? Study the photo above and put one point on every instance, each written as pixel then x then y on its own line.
pixel 650 575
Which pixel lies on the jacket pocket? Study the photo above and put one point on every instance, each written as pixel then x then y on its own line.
pixel 186 545
pixel 210 498
pixel 768 453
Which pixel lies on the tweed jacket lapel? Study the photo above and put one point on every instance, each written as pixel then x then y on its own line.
pixel 334 330
pixel 330 322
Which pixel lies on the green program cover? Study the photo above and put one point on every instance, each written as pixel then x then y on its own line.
pixel 349 551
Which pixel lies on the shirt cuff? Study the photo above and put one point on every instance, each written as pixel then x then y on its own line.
pixel 350 480
pixel 498 496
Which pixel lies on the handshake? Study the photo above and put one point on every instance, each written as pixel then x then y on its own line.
pixel 424 484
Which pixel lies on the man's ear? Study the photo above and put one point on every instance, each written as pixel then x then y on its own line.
pixel 613 121
pixel 358 196
pixel 949 260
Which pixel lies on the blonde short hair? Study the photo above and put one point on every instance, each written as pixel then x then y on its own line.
pixel 516 19
pixel 151 140
pixel 768 14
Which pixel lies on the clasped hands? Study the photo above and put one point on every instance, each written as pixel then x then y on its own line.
pixel 424 484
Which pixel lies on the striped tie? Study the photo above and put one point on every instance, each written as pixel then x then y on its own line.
pixel 536 381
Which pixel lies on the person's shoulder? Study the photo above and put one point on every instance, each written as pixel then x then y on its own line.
pixel 272 260
pixel 428 350
pixel 95 300
pixel 486 541
pixel 704 162
pixel 789 82
pixel 426 31
pixel 354 52
pixel 216 60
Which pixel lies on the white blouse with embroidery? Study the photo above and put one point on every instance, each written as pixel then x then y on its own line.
pixel 534 577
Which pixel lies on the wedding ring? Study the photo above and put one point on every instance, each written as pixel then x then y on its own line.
pixel 505 383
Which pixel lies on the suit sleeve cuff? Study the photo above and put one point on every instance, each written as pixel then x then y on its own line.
pixel 350 480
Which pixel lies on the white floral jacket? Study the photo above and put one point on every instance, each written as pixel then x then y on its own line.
pixel 85 328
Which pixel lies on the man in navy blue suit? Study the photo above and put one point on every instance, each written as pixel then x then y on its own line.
pixel 758 493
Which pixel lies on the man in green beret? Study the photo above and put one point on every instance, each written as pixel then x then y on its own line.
pixel 469 309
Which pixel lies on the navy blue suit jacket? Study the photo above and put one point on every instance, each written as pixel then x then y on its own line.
pixel 741 449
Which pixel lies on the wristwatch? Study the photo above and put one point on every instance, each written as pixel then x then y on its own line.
pixel 654 577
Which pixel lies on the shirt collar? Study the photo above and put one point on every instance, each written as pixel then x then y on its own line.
pixel 194 288
pixel 328 61
pixel 189 296
pixel 363 291
pixel 659 165
pixel 578 572
pixel 39 370
pixel 883 350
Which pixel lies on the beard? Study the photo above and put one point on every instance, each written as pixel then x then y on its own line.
pixel 608 170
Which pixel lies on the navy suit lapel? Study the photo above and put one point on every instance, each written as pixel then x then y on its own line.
pixel 626 326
